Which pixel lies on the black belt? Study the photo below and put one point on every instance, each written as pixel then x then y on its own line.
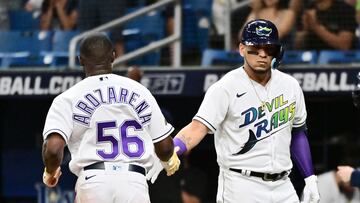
pixel 264 176
pixel 101 166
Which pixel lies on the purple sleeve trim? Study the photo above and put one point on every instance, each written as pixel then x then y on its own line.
pixel 300 151
pixel 179 143
pixel 355 178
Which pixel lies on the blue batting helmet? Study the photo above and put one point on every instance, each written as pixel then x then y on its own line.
pixel 262 32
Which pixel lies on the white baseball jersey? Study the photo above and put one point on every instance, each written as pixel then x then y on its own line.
pixel 107 118
pixel 248 136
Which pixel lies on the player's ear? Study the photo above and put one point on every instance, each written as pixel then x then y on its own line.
pixel 80 61
pixel 113 56
pixel 241 49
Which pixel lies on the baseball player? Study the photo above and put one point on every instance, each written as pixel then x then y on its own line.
pixel 257 115
pixel 110 125
pixel 347 173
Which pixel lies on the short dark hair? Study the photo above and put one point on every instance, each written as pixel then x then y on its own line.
pixel 96 48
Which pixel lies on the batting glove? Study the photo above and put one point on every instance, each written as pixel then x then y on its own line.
pixel 172 165
pixel 311 192
pixel 51 180
pixel 154 171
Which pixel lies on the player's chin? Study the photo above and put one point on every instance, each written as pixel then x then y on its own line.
pixel 261 69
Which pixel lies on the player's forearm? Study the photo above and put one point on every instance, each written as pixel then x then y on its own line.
pixel 53 152
pixel 190 135
pixel 164 149
pixel 52 159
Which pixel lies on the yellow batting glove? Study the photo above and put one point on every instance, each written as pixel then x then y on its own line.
pixel 51 180
pixel 172 165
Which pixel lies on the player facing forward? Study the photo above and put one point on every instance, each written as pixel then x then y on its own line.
pixel 257 115
pixel 110 125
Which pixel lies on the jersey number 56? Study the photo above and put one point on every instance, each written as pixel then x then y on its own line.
pixel 132 146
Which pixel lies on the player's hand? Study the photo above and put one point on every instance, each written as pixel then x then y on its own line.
pixel 172 165
pixel 154 171
pixel 344 172
pixel 311 192
pixel 51 180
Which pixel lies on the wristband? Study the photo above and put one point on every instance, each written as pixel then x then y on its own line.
pixel 182 147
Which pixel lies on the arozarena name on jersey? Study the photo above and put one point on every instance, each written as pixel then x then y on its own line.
pixel 282 113
pixel 111 95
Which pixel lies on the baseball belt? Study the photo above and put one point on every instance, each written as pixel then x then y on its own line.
pixel 101 166
pixel 263 176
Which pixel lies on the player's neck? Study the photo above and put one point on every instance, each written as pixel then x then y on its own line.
pixel 257 76
pixel 95 71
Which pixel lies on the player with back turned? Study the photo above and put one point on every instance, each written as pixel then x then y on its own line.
pixel 258 117
pixel 111 125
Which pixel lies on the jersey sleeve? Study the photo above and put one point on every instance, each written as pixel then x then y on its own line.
pixel 299 122
pixel 159 127
pixel 213 108
pixel 59 119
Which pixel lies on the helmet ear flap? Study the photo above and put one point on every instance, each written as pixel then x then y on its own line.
pixel 275 62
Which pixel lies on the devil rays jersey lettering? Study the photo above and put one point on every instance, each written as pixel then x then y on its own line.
pixel 107 118
pixel 253 133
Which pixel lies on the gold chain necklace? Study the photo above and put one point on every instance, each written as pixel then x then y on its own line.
pixel 263 102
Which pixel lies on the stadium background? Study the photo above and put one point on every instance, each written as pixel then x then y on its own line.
pixel 30 79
